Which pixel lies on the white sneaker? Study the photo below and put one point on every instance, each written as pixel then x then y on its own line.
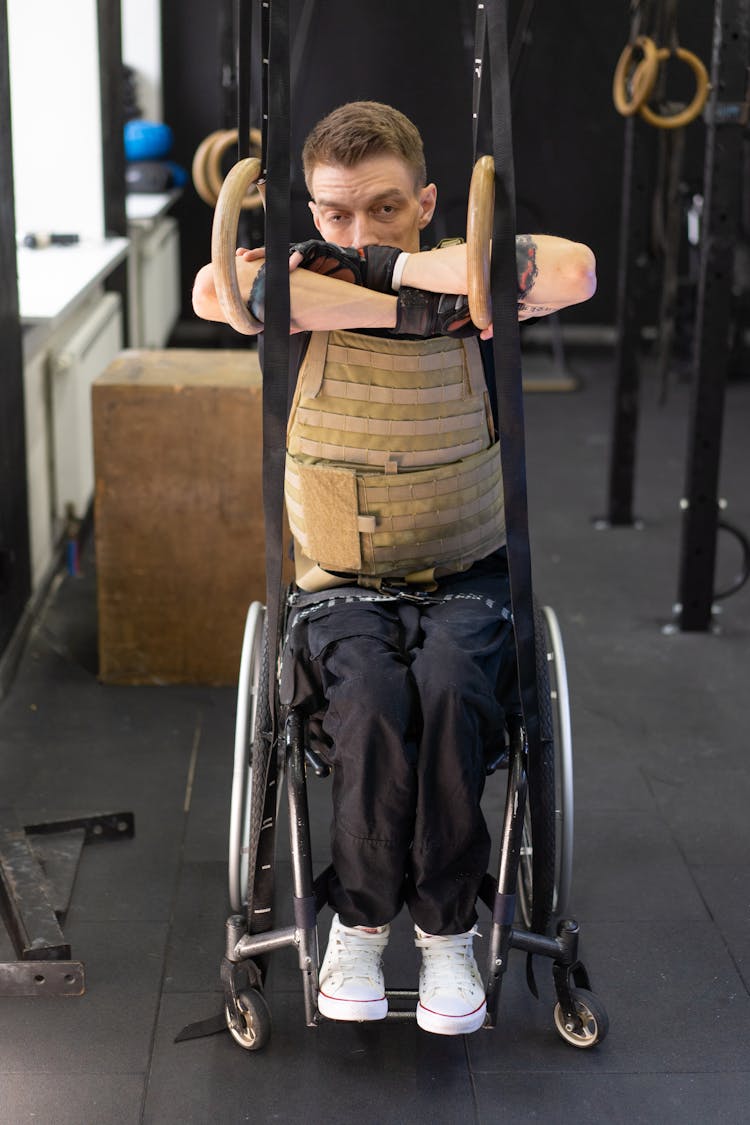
pixel 451 992
pixel 351 984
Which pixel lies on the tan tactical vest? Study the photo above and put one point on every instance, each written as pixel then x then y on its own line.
pixel 392 467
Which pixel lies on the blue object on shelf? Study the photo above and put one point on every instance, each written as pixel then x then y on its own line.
pixel 179 174
pixel 147 140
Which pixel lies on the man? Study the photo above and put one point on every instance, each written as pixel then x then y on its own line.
pixel 394 497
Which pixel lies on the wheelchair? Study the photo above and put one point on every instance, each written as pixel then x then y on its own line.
pixel 527 899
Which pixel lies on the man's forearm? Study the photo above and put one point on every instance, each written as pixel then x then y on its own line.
pixel 317 302
pixel 552 272
pixel 320 303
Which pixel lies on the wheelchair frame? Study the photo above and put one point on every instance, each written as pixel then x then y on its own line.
pixel 534 869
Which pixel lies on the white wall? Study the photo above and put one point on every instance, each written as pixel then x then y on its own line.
pixel 56 116
pixel 141 49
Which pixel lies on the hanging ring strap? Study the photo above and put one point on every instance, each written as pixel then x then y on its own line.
pixel 702 88
pixel 633 85
pixel 224 245
pixel 479 220
pixel 507 360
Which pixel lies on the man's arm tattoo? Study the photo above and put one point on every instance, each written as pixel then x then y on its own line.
pixel 526 264
pixel 525 311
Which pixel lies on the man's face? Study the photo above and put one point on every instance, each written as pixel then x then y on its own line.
pixel 373 203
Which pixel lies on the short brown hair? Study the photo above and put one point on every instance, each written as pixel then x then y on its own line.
pixel 357 130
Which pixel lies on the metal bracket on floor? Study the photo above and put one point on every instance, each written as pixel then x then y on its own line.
pixel 38 866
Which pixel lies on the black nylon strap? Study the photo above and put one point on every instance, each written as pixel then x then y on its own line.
pixel 480 42
pixel 243 45
pixel 277 143
pixel 508 376
pixel 265 35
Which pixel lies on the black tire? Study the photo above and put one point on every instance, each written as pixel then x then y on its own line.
pixel 562 738
pixel 250 686
pixel 537 867
pixel 262 830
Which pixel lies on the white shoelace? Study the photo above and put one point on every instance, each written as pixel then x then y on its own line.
pixel 447 962
pixel 357 954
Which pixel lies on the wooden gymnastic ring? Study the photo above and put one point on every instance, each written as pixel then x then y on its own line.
pixel 479 221
pixel 214 155
pixel 702 87
pixel 207 174
pixel 224 244
pixel 200 180
pixel 642 78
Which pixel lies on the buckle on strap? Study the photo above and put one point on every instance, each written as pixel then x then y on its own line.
pixel 417 597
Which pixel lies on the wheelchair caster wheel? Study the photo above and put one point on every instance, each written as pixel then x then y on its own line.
pixel 592 1015
pixel 255 1020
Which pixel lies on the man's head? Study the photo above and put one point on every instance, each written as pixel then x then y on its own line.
pixel 365 170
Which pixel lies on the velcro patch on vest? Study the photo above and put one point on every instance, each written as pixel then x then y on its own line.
pixel 329 501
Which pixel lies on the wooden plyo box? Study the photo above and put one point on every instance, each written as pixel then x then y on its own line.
pixel 178 513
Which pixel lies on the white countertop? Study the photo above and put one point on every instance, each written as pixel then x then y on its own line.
pixel 146 208
pixel 52 281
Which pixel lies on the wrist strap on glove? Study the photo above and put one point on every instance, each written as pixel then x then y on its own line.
pixel 256 302
pixel 380 262
pixel 421 313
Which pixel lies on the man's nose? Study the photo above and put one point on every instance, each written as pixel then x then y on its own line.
pixel 363 232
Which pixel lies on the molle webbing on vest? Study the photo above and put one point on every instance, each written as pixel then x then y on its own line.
pixel 391 467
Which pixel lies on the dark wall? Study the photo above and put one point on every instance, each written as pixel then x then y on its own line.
pixel 15 568
pixel 193 46
pixel 417 55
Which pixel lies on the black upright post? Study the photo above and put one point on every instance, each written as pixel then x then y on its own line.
pixel 726 119
pixel 113 143
pixel 15 566
pixel 635 289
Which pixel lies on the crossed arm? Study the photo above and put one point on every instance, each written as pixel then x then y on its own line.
pixel 553 273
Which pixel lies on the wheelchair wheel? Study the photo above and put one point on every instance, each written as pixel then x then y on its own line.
pixel 251 686
pixel 546 848
pixel 563 742
pixel 255 1019
pixel 593 1016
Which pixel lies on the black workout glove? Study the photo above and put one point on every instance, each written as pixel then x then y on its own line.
pixel 372 266
pixel 421 313
pixel 345 263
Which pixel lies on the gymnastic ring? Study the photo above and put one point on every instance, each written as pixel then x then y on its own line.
pixel 200 179
pixel 206 168
pixel 224 244
pixel 642 79
pixel 479 221
pixel 702 87
pixel 214 155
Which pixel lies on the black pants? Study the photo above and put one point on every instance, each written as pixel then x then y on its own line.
pixel 408 701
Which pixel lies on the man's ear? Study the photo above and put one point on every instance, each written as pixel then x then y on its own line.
pixel 314 211
pixel 427 204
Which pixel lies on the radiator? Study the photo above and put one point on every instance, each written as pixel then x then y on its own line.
pixel 159 278
pixel 73 367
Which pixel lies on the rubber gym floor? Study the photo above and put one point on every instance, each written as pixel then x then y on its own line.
pixel 661 884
